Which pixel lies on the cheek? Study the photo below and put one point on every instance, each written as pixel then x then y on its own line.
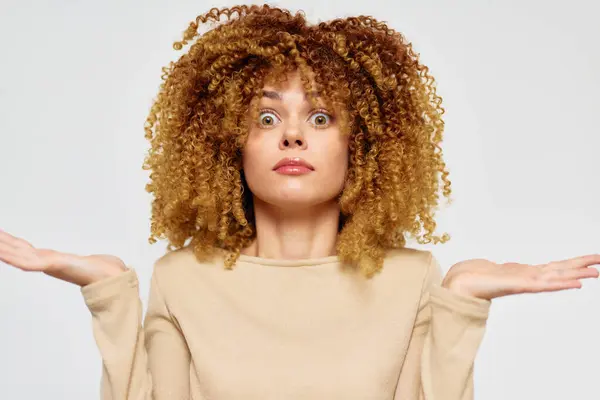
pixel 248 160
pixel 256 157
pixel 334 158
pixel 254 146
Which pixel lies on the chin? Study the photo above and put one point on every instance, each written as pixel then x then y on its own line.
pixel 294 202
pixel 295 199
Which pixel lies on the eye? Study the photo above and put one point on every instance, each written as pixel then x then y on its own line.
pixel 321 119
pixel 268 118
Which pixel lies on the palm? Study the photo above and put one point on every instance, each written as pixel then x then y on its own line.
pixel 485 279
pixel 21 254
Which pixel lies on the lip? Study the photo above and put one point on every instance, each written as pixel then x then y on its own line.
pixel 293 166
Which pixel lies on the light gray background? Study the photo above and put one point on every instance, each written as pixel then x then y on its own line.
pixel 520 84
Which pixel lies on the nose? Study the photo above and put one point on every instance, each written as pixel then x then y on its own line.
pixel 292 138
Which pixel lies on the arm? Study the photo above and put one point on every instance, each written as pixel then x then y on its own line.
pixel 448 330
pixel 138 363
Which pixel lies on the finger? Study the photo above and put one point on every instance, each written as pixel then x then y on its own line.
pixel 576 262
pixel 24 260
pixel 14 241
pixel 570 274
pixel 556 286
pixel 6 248
pixel 9 256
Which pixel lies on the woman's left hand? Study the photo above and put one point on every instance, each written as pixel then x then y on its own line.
pixel 487 280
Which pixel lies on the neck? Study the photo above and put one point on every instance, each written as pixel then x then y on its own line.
pixel 294 234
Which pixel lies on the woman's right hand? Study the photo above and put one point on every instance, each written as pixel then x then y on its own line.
pixel 80 270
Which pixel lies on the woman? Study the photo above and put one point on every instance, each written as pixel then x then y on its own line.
pixel 295 159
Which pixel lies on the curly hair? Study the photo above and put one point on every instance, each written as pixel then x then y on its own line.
pixel 198 124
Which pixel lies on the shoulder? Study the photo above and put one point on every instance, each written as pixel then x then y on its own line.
pixel 408 267
pixel 408 260
pixel 180 265
pixel 407 257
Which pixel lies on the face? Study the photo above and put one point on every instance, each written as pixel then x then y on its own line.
pixel 295 154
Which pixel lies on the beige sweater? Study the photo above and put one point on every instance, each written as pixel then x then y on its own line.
pixel 277 330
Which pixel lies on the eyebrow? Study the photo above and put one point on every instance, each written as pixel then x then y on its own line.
pixel 277 96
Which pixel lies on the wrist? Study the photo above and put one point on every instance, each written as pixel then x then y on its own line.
pixel 456 286
pixel 78 270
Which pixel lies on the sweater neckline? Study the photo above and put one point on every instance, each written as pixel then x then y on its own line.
pixel 288 263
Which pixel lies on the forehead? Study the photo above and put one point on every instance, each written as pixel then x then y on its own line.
pixel 290 81
pixel 281 86
pixel 289 85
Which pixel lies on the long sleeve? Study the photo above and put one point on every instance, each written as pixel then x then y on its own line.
pixel 139 362
pixel 448 331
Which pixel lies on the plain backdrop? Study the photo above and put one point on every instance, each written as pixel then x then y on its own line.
pixel 520 86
